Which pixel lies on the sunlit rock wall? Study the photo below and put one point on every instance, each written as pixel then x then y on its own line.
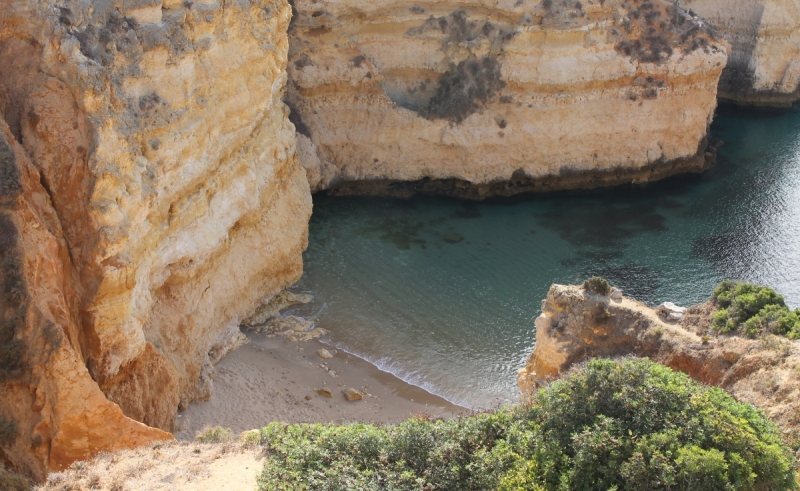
pixel 478 98
pixel 166 160
pixel 764 65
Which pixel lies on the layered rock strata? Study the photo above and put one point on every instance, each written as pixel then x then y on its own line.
pixel 576 325
pixel 161 164
pixel 478 98
pixel 764 64
pixel 52 412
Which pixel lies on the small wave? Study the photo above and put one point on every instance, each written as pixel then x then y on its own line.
pixel 415 378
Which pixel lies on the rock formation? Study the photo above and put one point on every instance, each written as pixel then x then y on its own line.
pixel 52 411
pixel 486 98
pixel 152 199
pixel 576 325
pixel 764 63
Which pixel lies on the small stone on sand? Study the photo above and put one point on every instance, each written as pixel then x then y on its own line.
pixel 308 398
pixel 324 354
pixel 352 394
pixel 326 392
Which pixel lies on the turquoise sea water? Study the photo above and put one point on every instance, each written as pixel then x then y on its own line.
pixel 443 292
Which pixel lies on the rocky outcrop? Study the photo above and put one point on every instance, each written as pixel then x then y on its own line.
pixel 576 325
pixel 52 412
pixel 478 98
pixel 764 64
pixel 161 202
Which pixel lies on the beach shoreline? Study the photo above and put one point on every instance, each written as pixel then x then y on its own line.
pixel 274 379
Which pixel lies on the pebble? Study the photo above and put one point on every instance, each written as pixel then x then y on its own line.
pixel 352 394
pixel 325 392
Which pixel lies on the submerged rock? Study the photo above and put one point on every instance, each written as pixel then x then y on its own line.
pixel 453 238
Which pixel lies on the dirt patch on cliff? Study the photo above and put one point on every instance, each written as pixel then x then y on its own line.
pixel 165 466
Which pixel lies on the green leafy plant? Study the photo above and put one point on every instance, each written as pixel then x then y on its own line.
pixel 609 424
pixel 597 285
pixel 753 310
pixel 634 424
pixel 10 481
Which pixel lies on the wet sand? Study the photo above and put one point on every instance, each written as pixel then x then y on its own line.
pixel 273 379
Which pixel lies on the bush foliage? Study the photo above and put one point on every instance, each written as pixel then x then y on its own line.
pixel 10 481
pixel 753 310
pixel 597 285
pixel 214 434
pixel 8 432
pixel 629 424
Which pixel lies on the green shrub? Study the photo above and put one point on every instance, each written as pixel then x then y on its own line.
pixel 13 482
pixel 8 432
pixel 629 424
pixel 216 434
pixel 634 424
pixel 753 310
pixel 597 285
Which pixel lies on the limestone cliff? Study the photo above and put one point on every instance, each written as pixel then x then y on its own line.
pixel 477 98
pixel 576 325
pixel 159 203
pixel 764 64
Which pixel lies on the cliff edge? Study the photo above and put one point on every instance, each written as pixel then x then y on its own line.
pixel 156 201
pixel 576 325
pixel 482 98
pixel 764 64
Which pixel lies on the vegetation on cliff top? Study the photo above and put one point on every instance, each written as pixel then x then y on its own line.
pixel 598 285
pixel 753 310
pixel 624 424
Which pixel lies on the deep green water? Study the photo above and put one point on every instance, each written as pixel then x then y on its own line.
pixel 456 317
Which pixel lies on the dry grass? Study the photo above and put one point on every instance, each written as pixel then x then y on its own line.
pixel 229 464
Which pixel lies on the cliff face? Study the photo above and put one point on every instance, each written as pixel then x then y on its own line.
pixel 474 98
pixel 764 64
pixel 576 325
pixel 162 160
pixel 52 412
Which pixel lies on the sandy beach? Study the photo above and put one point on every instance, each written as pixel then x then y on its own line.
pixel 273 379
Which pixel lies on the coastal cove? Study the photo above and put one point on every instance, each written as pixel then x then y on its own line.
pixel 442 293
pixel 226 223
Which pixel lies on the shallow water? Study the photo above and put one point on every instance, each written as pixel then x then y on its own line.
pixel 443 293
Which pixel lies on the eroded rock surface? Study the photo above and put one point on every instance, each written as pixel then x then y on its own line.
pixel 162 160
pixel 481 98
pixel 764 64
pixel 576 325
